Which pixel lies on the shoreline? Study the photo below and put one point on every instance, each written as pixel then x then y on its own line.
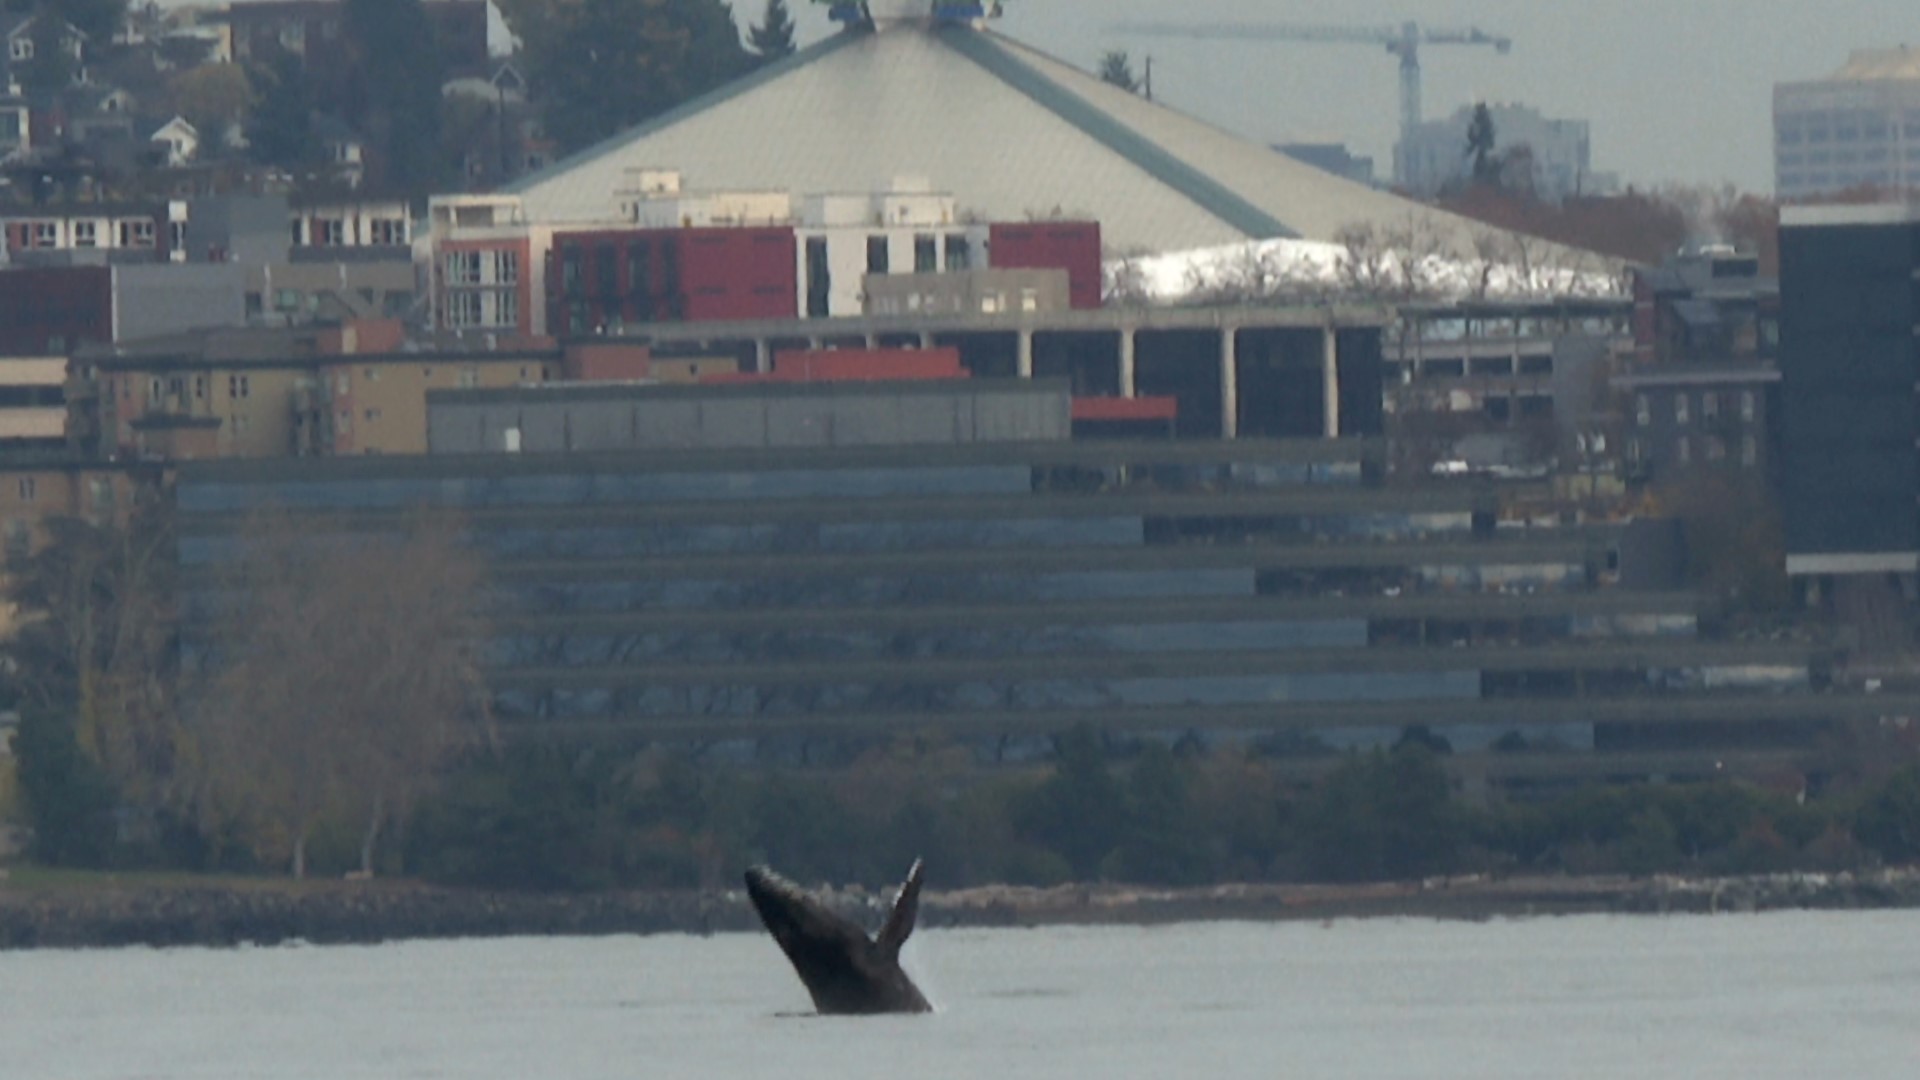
pixel 111 915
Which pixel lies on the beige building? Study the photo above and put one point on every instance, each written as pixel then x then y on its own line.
pixel 33 409
pixel 359 388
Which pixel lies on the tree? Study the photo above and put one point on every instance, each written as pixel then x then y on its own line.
pixel 89 667
pixel 397 104
pixel 1480 145
pixel 1383 815
pixel 1116 69
pixel 212 97
pixel 602 66
pixel 773 38
pixel 341 679
pixel 280 131
pixel 1080 810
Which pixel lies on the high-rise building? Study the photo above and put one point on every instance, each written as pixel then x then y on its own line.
pixel 1433 157
pixel 1858 129
pixel 1849 350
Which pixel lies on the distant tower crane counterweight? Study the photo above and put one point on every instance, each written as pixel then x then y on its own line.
pixel 1403 41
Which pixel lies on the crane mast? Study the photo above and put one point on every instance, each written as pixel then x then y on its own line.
pixel 1403 41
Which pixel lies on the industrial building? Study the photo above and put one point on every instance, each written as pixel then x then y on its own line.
pixel 1856 130
pixel 805 602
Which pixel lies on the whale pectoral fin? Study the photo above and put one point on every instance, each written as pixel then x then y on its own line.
pixel 906 909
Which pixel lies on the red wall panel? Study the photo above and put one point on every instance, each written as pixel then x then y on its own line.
pixel 1073 246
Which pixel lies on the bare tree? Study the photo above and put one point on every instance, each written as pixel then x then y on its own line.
pixel 344 674
pixel 93 640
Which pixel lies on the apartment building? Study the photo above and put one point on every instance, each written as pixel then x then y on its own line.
pixel 355 388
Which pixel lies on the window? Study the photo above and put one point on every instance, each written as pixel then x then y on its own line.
pixel 373 414
pixel 155 388
pixel 136 234
pixel 572 270
pixel 389 231
pixel 463 268
pixel 463 309
pixel 1683 451
pixel 506 268
pixel 469 378
pixel 46 234
pixel 1681 413
pixel 85 234
pixel 606 271
pixel 330 233
pixel 819 279
pixel 1642 410
pixel 926 254
pixel 29 488
pixel 22 48
pixel 959 255
pixel 506 311
pixel 200 387
pixel 878 255
pixel 1747 406
pixel 177 388
pixel 237 386
pixel 1709 406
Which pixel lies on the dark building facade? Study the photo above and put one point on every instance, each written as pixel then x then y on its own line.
pixel 1850 349
pixel 54 311
pixel 809 602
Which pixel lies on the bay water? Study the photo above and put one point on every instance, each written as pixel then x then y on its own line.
pixel 1777 995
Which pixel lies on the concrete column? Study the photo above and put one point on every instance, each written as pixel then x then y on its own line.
pixel 926 340
pixel 762 356
pixel 1128 382
pixel 1229 383
pixel 873 341
pixel 1023 361
pixel 1330 381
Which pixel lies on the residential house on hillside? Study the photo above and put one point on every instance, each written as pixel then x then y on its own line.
pixel 176 143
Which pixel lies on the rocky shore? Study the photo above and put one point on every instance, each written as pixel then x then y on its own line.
pixel 108 916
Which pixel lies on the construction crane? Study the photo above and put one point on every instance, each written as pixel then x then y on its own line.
pixel 1403 41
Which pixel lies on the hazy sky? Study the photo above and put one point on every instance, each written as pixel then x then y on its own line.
pixel 1676 90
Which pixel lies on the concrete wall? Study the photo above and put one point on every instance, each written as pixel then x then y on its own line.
pixel 166 298
pixel 662 417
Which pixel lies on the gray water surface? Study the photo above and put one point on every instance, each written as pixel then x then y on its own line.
pixel 1787 995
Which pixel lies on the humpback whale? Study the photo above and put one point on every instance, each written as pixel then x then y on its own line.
pixel 845 971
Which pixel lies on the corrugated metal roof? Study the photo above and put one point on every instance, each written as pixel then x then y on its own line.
pixel 1013 133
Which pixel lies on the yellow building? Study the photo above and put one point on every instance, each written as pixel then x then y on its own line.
pixel 359 388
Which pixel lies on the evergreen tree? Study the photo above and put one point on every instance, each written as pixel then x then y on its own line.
pixel 1116 69
pixel 773 38
pixel 1481 138
pixel 399 103
pixel 280 131
pixel 602 66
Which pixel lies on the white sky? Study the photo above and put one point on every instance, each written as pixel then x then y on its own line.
pixel 1676 90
